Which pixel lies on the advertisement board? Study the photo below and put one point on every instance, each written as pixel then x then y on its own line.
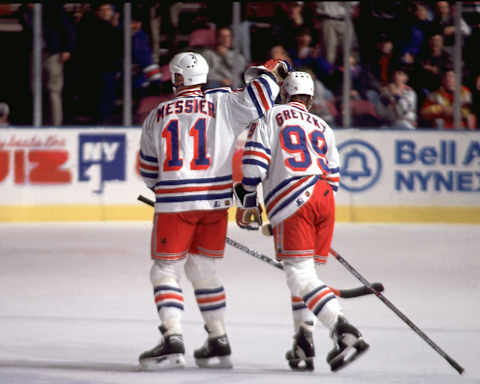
pixel 409 176
pixel 93 174
pixel 70 174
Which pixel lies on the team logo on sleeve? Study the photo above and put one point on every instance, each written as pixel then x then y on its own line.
pixel 102 158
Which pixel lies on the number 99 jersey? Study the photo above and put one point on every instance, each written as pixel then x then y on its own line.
pixel 289 150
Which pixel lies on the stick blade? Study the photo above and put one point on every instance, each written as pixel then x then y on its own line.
pixel 378 287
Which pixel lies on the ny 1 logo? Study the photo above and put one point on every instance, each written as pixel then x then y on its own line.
pixel 101 158
pixel 35 166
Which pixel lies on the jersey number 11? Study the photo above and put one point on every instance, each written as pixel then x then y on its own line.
pixel 198 132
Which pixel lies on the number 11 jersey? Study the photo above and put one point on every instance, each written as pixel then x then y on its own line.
pixel 187 144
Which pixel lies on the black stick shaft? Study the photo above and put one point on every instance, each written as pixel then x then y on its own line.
pixel 390 305
pixel 343 293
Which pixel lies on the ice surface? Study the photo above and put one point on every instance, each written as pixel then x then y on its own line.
pixel 76 306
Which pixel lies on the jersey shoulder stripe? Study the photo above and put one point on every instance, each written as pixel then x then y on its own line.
pixel 259 91
pixel 218 90
pixel 268 89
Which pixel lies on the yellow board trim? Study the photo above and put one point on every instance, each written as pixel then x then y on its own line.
pixel 74 212
pixel 372 214
pixel 408 214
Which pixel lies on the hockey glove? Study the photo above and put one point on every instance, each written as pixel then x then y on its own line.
pixel 249 212
pixel 278 69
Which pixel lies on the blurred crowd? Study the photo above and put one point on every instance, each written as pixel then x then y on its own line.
pixel 401 58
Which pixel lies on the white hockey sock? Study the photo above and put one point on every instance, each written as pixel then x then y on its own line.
pixel 212 303
pixel 329 314
pixel 324 305
pixel 301 313
pixel 169 302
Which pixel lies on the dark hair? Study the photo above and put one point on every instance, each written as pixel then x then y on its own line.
pixel 400 66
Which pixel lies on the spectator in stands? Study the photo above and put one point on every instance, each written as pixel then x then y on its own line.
pixel 222 61
pixel 471 59
pixel 155 20
pixel 288 19
pixel 417 30
pixel 444 21
pixel 98 60
pixel 57 49
pixel 362 82
pixel 397 104
pixel 4 115
pixel 428 76
pixel 145 72
pixel 330 17
pixel 437 110
pixel 71 79
pixel 382 61
pixel 476 99
pixel 362 79
pixel 383 19
pixel 305 55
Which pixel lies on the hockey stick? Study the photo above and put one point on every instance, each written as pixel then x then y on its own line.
pixel 390 305
pixel 343 293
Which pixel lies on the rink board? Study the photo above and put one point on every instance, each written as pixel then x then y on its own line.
pixel 92 174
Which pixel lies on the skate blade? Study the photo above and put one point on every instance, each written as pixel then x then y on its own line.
pixel 222 362
pixel 349 355
pixel 299 362
pixel 296 364
pixel 165 362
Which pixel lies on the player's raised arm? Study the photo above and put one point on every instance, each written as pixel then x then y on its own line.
pixel 263 87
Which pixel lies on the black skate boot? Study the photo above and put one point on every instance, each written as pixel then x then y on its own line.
pixel 215 353
pixel 303 350
pixel 168 353
pixel 348 345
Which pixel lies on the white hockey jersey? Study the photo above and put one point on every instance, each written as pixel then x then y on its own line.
pixel 187 144
pixel 288 150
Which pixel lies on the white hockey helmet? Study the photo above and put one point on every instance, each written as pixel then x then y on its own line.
pixel 297 83
pixel 192 66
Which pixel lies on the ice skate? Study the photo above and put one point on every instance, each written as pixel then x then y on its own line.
pixel 348 345
pixel 300 357
pixel 169 353
pixel 215 353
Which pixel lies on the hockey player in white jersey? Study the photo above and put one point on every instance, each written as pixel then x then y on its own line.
pixel 293 154
pixel 186 150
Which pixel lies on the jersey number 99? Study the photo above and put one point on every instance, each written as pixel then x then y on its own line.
pixel 293 140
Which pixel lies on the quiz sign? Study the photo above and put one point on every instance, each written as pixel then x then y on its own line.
pixel 69 165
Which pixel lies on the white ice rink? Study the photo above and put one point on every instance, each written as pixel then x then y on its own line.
pixel 76 306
